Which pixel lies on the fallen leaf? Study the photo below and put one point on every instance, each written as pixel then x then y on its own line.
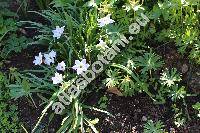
pixel 114 90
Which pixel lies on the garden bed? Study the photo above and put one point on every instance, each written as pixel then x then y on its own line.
pixel 131 113
pixel 152 85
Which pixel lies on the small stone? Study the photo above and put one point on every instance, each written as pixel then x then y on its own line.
pixel 144 118
pixel 107 119
pixel 134 130
pixel 172 130
pixel 52 130
pixel 118 114
pixel 184 68
pixel 137 101
pixel 110 95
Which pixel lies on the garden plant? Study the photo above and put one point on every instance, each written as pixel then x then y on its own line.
pixel 76 66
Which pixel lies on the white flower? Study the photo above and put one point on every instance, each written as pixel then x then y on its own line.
pixel 57 79
pixel 48 59
pixel 104 21
pixel 80 66
pixel 137 7
pixel 52 54
pixel 61 66
pixel 102 44
pixel 184 2
pixel 128 7
pixel 92 3
pixel 58 32
pixel 38 59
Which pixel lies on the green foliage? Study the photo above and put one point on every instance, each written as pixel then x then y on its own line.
pixel 25 84
pixel 169 88
pixel 113 78
pixel 14 44
pixel 103 102
pixel 79 40
pixel 8 118
pixel 178 21
pixel 6 25
pixel 128 86
pixel 177 93
pixel 10 41
pixel 134 70
pixel 197 107
pixel 194 54
pixel 9 121
pixel 43 4
pixel 170 77
pixel 148 62
pixel 151 127
pixel 179 117
pixel 136 83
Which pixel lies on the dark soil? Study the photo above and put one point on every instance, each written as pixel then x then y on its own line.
pixel 130 114
pixel 29 116
pixel 23 60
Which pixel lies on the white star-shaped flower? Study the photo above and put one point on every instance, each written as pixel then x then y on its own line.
pixel 80 66
pixel 58 32
pixel 38 59
pixel 102 44
pixel 104 21
pixel 61 66
pixel 52 54
pixel 137 7
pixel 57 79
pixel 48 59
pixel 184 2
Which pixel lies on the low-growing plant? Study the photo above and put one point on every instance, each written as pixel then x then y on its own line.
pixel 10 41
pixel 103 102
pixel 9 121
pixel 151 127
pixel 197 107
pixel 78 33
pixel 43 4
pixel 149 62
pixel 177 21
pixel 179 116
pixel 169 77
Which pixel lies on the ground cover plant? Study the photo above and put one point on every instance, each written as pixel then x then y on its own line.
pixel 9 114
pixel 100 66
